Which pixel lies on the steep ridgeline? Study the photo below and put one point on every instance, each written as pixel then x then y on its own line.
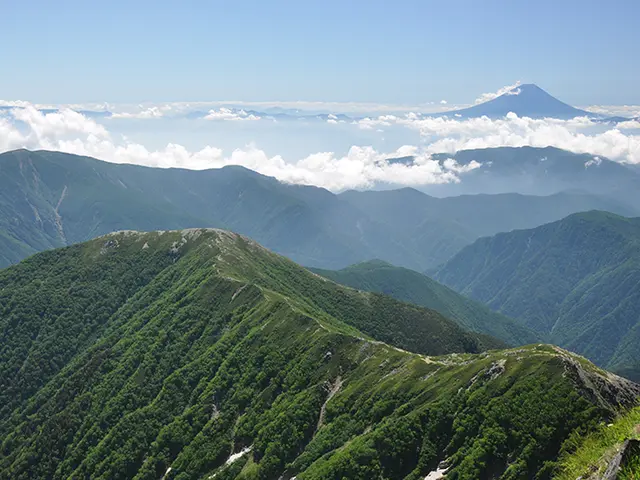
pixel 199 354
pixel 413 287
pixel 576 280
pixel 50 199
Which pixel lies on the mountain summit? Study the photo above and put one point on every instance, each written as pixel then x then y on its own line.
pixel 526 100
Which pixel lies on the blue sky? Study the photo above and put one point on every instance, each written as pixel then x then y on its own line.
pixel 584 52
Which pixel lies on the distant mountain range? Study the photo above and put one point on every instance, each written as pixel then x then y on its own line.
pixel 576 280
pixel 50 199
pixel 440 227
pixel 527 100
pixel 541 171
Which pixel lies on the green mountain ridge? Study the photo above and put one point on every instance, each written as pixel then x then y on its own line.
pixel 199 353
pixel 413 287
pixel 575 280
pixel 53 199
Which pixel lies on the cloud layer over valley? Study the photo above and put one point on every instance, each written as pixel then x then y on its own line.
pixel 360 164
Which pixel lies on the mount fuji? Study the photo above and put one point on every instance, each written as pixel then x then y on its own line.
pixel 526 100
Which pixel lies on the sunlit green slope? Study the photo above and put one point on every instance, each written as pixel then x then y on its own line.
pixel 163 355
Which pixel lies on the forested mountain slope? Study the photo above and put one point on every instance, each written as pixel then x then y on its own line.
pixel 413 287
pixel 576 279
pixel 189 354
pixel 52 199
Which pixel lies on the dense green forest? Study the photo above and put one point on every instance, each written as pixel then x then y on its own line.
pixel 193 354
pixel 413 287
pixel 52 199
pixel 575 280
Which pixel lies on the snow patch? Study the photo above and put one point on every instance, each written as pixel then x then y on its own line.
pixel 235 456
pixel 238 291
pixel 594 161
pixel 215 411
pixel 58 217
pixel 232 458
pixel 436 474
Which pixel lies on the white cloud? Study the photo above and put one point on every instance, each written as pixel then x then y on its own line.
pixel 594 161
pixel 10 137
pixel 331 118
pixel 452 165
pixel 508 90
pixel 516 132
pixel 615 110
pixel 452 134
pixel 360 167
pixel 381 121
pixel 230 114
pixel 443 102
pixel 57 124
pixel 144 113
pixel 629 125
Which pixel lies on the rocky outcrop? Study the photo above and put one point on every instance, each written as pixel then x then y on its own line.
pixel 630 449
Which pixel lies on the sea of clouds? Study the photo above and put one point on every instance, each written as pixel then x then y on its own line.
pixel 331 151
